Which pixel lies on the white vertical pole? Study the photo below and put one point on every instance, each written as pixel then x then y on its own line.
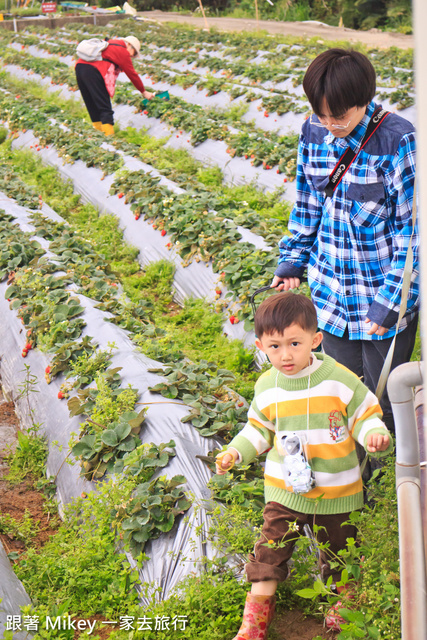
pixel 419 8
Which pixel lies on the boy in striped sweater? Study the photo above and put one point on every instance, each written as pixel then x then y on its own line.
pixel 308 411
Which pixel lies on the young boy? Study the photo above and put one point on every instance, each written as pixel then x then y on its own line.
pixel 308 411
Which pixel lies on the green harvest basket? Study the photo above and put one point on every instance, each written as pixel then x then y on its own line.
pixel 163 95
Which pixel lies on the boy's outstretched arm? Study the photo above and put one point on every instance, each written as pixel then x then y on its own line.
pixel 377 442
pixel 225 461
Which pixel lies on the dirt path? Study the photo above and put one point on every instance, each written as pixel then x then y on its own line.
pixel 372 38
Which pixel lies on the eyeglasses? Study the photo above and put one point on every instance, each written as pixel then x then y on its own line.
pixel 340 127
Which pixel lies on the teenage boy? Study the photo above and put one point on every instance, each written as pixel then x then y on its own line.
pixel 308 411
pixel 352 222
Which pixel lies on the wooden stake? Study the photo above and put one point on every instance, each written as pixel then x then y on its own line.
pixel 256 15
pixel 204 15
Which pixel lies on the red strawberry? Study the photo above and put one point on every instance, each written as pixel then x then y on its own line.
pixel 60 395
pixel 163 232
pixel 24 353
pixel 218 292
pixel 265 114
pixel 120 195
pixel 240 404
pixel 28 346
pixel 47 370
pixel 146 113
pixel 234 320
pixel 285 179
pixel 137 216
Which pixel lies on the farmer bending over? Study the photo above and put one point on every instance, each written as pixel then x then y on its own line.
pixel 97 80
pixel 351 230
pixel 307 412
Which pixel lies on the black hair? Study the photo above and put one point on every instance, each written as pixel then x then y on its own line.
pixel 281 310
pixel 343 78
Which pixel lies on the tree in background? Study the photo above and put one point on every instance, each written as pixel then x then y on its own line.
pixel 367 14
pixel 355 14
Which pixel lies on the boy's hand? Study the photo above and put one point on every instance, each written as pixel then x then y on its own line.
pixel 225 461
pixel 377 442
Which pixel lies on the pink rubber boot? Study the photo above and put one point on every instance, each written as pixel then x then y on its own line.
pixel 257 616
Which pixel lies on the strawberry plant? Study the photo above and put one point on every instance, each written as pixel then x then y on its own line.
pixel 142 462
pixel 203 387
pixel 99 451
pixel 151 511
pixel 17 249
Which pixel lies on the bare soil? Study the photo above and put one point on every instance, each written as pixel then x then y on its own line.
pixel 16 499
pixel 372 38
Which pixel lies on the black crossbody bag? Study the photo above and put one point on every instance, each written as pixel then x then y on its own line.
pixel 349 155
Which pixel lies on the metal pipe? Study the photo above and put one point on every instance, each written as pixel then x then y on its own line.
pixel 419 414
pixel 412 582
pixel 400 386
pixel 419 21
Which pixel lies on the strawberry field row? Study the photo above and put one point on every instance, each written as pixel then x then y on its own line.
pixel 198 225
pixel 54 320
pixel 262 148
pixel 286 60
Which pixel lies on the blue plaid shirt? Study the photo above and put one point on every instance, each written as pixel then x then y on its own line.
pixel 354 244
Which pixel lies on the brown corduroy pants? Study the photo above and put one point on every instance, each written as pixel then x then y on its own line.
pixel 271 564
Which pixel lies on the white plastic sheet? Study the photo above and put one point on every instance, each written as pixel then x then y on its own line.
pixel 197 280
pixel 12 597
pixel 172 556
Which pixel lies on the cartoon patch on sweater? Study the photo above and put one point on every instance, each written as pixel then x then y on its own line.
pixel 337 428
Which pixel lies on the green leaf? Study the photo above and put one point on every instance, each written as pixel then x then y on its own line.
pixel 109 438
pixel 122 430
pixel 138 419
pixel 141 536
pixel 167 525
pixel 128 444
pixel 129 524
pixel 308 594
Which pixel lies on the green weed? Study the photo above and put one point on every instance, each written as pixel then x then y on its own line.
pixel 29 458
pixel 24 530
pixel 83 564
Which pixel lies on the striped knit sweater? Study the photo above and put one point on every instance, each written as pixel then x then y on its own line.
pixel 339 410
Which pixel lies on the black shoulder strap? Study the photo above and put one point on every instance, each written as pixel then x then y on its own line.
pixel 349 155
